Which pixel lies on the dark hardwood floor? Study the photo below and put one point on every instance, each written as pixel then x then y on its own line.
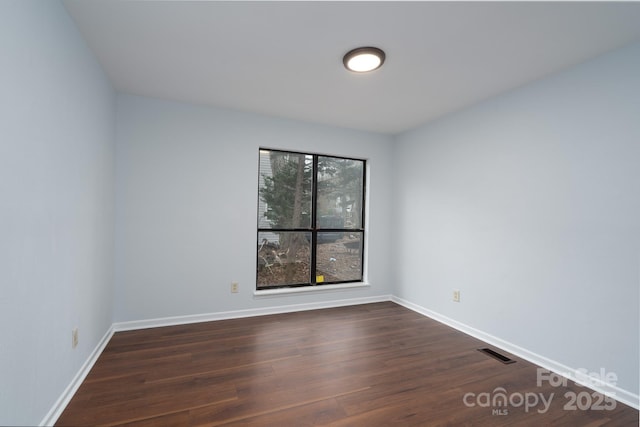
pixel 367 365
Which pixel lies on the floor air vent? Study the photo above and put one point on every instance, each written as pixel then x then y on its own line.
pixel 501 357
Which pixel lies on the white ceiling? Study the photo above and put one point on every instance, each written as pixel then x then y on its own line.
pixel 285 58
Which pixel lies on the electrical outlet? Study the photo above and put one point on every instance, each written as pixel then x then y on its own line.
pixel 456 296
pixel 74 338
pixel 234 287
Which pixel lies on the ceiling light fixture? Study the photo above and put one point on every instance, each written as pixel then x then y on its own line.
pixel 363 59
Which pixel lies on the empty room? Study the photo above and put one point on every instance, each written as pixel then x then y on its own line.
pixel 319 213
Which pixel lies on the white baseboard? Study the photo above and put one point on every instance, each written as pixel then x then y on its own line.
pixel 237 314
pixel 619 394
pixel 64 399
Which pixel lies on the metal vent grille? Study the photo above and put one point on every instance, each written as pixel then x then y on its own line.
pixel 501 357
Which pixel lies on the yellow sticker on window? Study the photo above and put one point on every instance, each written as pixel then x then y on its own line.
pixel 319 279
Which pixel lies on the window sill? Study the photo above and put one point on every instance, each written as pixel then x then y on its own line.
pixel 307 289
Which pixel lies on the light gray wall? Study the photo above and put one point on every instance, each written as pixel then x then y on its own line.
pixel 57 132
pixel 529 204
pixel 187 197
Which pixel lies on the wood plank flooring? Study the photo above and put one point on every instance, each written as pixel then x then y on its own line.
pixel 367 365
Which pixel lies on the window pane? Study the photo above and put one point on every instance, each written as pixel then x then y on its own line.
pixel 340 186
pixel 284 258
pixel 339 256
pixel 285 190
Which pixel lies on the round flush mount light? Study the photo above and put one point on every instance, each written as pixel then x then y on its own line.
pixel 363 59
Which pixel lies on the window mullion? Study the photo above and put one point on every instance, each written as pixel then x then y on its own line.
pixel 314 230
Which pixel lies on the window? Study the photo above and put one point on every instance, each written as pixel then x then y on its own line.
pixel 310 219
